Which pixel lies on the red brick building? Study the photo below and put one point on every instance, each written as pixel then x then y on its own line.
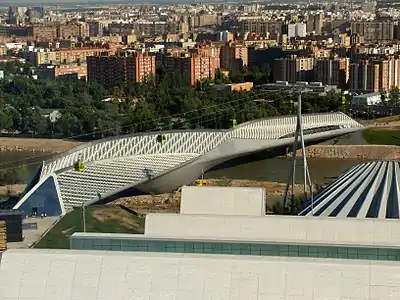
pixel 125 68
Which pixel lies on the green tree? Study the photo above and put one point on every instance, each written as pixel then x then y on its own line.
pixel 394 96
pixel 5 120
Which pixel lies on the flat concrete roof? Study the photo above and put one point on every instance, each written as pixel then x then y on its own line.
pixel 101 275
pixel 279 229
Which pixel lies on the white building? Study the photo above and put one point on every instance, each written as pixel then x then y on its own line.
pixel 224 36
pixel 297 30
pixel 221 246
pixel 367 99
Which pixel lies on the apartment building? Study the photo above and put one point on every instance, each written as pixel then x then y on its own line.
pixel 315 23
pixel 295 30
pixel 126 68
pixel 151 28
pixel 375 75
pixel 72 29
pixel 364 76
pixel 373 30
pixel 194 67
pixel 332 71
pixel 293 69
pixel 274 28
pixel 201 20
pixel 16 31
pixel 45 32
pixel 211 50
pixel 234 55
pixel 53 72
pixel 65 55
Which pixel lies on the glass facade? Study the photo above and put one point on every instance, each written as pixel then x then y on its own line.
pixel 214 247
pixel 43 201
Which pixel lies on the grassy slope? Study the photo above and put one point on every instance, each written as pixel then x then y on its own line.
pixel 98 219
pixel 378 136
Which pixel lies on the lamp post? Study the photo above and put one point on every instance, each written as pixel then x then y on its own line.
pixel 84 217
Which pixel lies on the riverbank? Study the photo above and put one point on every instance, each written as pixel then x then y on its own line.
pixel 365 152
pixel 170 202
pixel 273 189
pixel 35 145
pixel 11 189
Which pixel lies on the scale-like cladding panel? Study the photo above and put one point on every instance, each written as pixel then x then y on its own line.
pixel 101 178
pixel 279 127
pixel 141 144
pixel 369 190
pixel 118 164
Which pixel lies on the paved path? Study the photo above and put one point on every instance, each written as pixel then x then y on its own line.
pixel 32 235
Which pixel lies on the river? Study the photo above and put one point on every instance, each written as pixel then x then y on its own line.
pixel 22 163
pixel 270 169
pixel 322 171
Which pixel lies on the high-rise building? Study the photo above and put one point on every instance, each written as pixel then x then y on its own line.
pixel 124 69
pixel 296 30
pixel 315 23
pixel 94 28
pixel 17 15
pixel 194 68
pixel 44 32
pixel 374 30
pixel 206 20
pixel 274 28
pixel 364 76
pixel 375 74
pixel 293 69
pixel 234 56
pixel 369 6
pixel 373 78
pixel 73 29
pixel 332 71
pixel 225 36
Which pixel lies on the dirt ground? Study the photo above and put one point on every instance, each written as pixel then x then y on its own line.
pixel 31 144
pixel 170 202
pixel 12 189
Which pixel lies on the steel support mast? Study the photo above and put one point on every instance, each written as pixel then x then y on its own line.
pixel 290 186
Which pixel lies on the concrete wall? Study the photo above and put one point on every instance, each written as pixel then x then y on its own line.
pixel 97 275
pixel 223 200
pixel 277 228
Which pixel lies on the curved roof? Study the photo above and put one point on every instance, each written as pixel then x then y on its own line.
pixel 119 163
pixel 369 190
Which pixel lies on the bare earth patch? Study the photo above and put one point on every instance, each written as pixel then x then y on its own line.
pixel 11 189
pixel 170 202
pixel 32 144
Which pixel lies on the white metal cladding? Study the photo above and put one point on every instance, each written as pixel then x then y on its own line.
pixel 100 178
pixel 177 142
pixel 369 190
pixel 195 142
pixel 275 128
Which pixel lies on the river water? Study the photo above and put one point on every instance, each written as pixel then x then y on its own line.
pixel 322 171
pixel 22 163
pixel 271 169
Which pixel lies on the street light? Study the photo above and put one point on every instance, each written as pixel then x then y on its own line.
pixel 84 217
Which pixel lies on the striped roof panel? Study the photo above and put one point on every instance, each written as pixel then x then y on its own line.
pixel 369 190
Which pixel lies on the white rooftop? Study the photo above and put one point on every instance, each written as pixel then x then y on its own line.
pixel 97 275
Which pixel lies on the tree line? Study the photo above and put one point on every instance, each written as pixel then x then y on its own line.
pixel 167 102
